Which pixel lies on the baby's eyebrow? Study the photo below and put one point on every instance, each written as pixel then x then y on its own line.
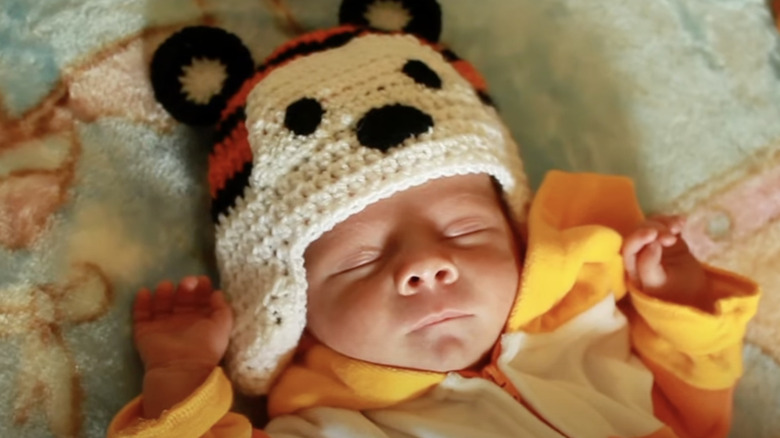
pixel 344 235
pixel 474 199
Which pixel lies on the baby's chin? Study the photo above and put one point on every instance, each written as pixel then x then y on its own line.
pixel 446 356
pixel 456 364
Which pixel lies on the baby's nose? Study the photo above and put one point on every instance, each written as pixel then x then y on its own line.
pixel 429 273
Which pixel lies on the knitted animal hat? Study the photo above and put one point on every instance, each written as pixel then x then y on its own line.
pixel 330 123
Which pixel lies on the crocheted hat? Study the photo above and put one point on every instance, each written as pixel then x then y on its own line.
pixel 330 123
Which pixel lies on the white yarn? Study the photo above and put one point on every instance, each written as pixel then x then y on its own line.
pixel 387 15
pixel 202 79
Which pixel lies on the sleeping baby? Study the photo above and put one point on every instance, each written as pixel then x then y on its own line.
pixel 387 273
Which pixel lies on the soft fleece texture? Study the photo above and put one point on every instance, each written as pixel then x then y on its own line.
pixel 101 192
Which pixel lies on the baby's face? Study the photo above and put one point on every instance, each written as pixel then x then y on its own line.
pixel 424 279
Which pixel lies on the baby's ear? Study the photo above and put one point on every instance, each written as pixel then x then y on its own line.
pixel 418 17
pixel 196 70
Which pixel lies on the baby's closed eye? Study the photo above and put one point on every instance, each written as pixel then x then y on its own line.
pixel 356 260
pixel 468 229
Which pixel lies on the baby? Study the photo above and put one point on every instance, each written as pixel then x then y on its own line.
pixel 389 275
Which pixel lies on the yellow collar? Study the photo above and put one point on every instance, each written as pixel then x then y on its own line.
pixel 320 376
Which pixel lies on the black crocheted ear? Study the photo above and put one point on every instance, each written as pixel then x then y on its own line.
pixel 419 17
pixel 196 70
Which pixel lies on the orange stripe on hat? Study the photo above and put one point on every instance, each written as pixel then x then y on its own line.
pixel 471 74
pixel 228 157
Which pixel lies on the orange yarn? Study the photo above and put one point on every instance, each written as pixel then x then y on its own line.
pixel 228 158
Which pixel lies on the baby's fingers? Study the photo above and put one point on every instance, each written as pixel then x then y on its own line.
pixel 633 245
pixel 185 298
pixel 142 307
pixel 220 311
pixel 650 272
pixel 669 228
pixel 203 291
pixel 674 223
pixel 162 301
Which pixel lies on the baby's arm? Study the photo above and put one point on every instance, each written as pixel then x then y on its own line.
pixel 688 322
pixel 181 334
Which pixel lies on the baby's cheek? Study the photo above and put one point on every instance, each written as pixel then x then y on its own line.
pixel 339 319
pixel 360 315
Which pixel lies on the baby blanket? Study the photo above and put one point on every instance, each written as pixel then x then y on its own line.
pixel 101 192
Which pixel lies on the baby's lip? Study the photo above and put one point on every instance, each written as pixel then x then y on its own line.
pixel 439 317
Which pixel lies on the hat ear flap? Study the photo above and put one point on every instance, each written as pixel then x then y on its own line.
pixel 196 70
pixel 418 17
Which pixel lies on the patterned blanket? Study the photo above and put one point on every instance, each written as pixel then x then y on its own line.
pixel 101 192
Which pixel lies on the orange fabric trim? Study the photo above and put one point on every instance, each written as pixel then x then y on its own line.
pixel 492 373
pixel 692 412
pixel 202 413
pixel 704 349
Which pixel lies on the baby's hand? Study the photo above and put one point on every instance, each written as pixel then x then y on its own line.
pixel 187 326
pixel 658 261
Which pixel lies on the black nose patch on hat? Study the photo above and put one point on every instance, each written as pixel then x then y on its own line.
pixel 388 126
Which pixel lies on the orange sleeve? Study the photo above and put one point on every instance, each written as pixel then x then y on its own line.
pixel 205 413
pixel 695 356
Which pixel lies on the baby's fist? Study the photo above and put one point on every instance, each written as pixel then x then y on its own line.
pixel 184 325
pixel 658 261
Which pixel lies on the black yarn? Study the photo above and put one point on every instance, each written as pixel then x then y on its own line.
pixel 305 48
pixel 388 126
pixel 303 116
pixel 422 74
pixel 425 16
pixel 229 124
pixel 178 51
pixel 234 189
pixel 485 98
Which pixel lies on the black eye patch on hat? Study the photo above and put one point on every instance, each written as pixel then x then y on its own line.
pixel 422 74
pixel 303 116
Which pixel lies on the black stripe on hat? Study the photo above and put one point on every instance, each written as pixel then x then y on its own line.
pixel 485 98
pixel 449 55
pixel 307 47
pixel 229 124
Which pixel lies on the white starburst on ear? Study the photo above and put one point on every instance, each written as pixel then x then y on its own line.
pixel 387 15
pixel 202 79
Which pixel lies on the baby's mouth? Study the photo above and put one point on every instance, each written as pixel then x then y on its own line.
pixel 438 318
